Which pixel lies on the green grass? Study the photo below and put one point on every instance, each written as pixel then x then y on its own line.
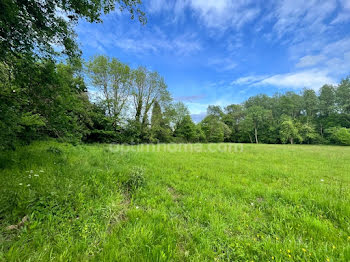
pixel 155 203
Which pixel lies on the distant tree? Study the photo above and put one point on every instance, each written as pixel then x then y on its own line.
pixel 113 79
pixel 339 135
pixel 262 100
pixel 214 129
pixel 343 96
pixel 99 72
pixel 308 133
pixel 234 115
pixel 327 100
pixel 215 111
pixel 246 128
pixel 121 80
pixel 200 135
pixel 289 104
pixel 258 117
pixel 187 130
pixel 289 130
pixel 147 88
pixel 310 103
pixel 175 113
pixel 160 131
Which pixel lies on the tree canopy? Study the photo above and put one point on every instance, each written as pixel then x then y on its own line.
pixel 44 27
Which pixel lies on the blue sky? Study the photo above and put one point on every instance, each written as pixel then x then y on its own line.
pixel 224 51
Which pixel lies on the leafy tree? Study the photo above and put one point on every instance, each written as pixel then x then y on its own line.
pixel 27 26
pixel 160 131
pixel 339 135
pixel 234 115
pixel 289 104
pixel 262 100
pixel 310 103
pixel 215 111
pixel 121 81
pixel 148 87
pixel 113 79
pixel 175 113
pixel 289 130
pixel 187 131
pixel 343 96
pixel 327 100
pixel 258 116
pixel 200 135
pixel 308 133
pixel 214 129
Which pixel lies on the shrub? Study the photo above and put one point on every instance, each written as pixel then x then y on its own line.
pixel 135 180
pixel 340 135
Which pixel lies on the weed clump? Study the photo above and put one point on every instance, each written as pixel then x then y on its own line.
pixel 55 150
pixel 135 180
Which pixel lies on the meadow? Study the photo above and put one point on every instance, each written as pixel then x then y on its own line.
pixel 204 202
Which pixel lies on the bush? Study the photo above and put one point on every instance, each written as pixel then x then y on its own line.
pixel 135 180
pixel 340 135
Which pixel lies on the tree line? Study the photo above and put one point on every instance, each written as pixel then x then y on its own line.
pixel 45 99
pixel 42 97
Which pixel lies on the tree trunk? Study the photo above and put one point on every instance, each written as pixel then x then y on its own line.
pixel 250 138
pixel 138 111
pixel 107 98
pixel 256 136
pixel 291 141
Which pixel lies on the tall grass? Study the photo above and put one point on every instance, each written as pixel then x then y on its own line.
pixel 154 203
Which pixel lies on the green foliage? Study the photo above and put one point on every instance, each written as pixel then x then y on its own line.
pixel 187 131
pixel 339 135
pixel 28 26
pixel 135 180
pixel 289 130
pixel 343 96
pixel 214 129
pixel 327 100
pixel 310 103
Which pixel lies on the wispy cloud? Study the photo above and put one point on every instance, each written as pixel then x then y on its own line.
pixel 215 14
pixel 145 41
pixel 304 79
pixel 222 64
pixel 344 15
pixel 248 80
pixel 189 98
pixel 333 57
pixel 310 60
pixel 301 18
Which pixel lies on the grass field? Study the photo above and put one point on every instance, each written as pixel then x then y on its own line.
pixel 175 203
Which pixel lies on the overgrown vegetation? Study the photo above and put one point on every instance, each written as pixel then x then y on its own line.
pixel 44 99
pixel 155 203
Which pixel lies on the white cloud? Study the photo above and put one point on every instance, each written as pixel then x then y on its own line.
pixel 224 13
pixel 222 64
pixel 155 6
pixel 309 60
pixel 297 80
pixel 214 14
pixel 333 57
pixel 152 40
pixel 344 15
pixel 301 18
pixel 309 79
pixel 248 80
